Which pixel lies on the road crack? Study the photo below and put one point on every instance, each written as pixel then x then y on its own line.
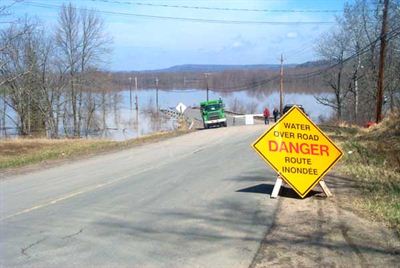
pixel 24 250
pixel 72 235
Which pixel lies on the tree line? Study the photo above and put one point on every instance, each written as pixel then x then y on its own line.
pixel 352 46
pixel 46 75
pixel 52 80
pixel 257 82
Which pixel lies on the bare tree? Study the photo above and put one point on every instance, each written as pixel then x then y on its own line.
pixel 19 60
pixel 236 106
pixel 354 81
pixel 83 46
pixel 68 43
pixel 252 107
pixel 333 47
pixel 6 76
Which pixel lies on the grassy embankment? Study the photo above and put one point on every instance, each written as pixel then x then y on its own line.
pixel 372 158
pixel 20 152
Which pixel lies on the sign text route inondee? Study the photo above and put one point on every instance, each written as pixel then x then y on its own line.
pixel 298 150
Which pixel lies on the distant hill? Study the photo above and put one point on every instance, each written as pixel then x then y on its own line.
pixel 228 78
pixel 310 64
pixel 217 68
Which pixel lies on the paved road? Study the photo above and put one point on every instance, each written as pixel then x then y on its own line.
pixel 193 201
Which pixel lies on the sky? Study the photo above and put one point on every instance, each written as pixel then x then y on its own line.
pixel 155 34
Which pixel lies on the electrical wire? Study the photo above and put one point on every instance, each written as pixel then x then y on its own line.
pixel 390 35
pixel 293 23
pixel 252 85
pixel 395 32
pixel 221 8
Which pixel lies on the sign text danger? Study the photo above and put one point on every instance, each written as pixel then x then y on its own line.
pixel 298 150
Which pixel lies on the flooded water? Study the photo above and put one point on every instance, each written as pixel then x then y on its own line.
pixel 121 122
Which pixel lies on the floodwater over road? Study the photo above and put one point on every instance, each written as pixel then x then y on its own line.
pixel 118 121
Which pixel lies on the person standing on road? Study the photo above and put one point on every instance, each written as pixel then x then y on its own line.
pixel 266 116
pixel 275 113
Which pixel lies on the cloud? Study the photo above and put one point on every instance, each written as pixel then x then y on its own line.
pixel 292 35
pixel 239 42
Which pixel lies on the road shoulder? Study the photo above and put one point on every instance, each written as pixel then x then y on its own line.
pixel 37 157
pixel 333 232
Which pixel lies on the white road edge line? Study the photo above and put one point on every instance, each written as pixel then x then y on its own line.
pixel 68 196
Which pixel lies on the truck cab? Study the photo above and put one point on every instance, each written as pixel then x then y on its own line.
pixel 288 106
pixel 213 113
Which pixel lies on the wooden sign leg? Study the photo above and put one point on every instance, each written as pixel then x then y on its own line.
pixel 325 189
pixel 277 188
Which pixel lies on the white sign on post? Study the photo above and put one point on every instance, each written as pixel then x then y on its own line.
pixel 181 108
pixel 249 119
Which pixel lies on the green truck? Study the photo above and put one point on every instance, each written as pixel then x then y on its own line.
pixel 213 113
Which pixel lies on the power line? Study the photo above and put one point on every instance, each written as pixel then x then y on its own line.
pixel 221 8
pixel 295 52
pixel 390 35
pixel 252 85
pixel 50 6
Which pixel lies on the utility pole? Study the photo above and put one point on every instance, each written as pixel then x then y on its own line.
pixel 130 92
pixel 207 88
pixel 379 93
pixel 281 88
pixel 157 94
pixel 137 105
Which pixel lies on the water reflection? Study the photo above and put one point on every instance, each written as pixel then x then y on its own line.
pixel 248 103
pixel 118 120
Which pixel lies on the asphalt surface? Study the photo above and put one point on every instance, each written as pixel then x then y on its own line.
pixel 199 200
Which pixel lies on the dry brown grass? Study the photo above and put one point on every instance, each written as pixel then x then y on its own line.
pixel 372 157
pixel 388 128
pixel 20 152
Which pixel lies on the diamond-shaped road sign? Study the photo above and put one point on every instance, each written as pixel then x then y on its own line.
pixel 181 107
pixel 298 150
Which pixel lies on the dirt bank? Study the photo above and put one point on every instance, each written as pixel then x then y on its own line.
pixel 317 231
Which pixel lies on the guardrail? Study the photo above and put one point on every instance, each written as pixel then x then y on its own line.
pixel 249 118
pixel 176 115
pixel 170 113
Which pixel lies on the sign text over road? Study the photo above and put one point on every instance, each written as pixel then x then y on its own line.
pixel 298 150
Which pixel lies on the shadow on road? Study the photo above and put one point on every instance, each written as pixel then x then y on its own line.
pixel 267 189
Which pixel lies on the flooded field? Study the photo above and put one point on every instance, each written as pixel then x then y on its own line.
pixel 117 118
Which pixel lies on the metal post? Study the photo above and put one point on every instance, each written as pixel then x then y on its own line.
pixel 137 104
pixel 379 94
pixel 130 92
pixel 157 94
pixel 207 88
pixel 136 95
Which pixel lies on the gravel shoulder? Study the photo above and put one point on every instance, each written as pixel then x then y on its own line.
pixel 327 232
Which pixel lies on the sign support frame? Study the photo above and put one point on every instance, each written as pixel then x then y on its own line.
pixel 277 188
pixel 278 185
pixel 288 136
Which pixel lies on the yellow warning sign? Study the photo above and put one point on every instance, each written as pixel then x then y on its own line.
pixel 298 150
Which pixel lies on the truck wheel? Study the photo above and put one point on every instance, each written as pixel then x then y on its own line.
pixel 225 124
pixel 206 126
